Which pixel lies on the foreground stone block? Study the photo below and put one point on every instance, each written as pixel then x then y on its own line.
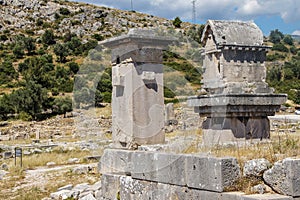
pixel 284 177
pixel 212 174
pixel 143 166
pixel 170 168
pixel 159 167
pixel 131 189
pixel 110 186
pixel 115 161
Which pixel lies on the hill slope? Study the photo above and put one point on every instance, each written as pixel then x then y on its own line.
pixel 48 53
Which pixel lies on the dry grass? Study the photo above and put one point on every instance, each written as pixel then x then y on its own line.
pixel 53 179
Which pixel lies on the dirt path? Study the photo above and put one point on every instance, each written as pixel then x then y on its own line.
pixel 41 176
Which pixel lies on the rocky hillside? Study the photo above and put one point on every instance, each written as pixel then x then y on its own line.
pixel 48 51
pixel 34 16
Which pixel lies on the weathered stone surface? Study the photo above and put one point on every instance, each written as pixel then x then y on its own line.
pixel 248 32
pixel 217 137
pixel 131 189
pixel 159 167
pixel 66 187
pixel 144 165
pixel 169 114
pixel 137 97
pixel 284 177
pixel 266 197
pixel 81 187
pixel 81 169
pixel 170 168
pixel 110 186
pixel 62 194
pixel 234 87
pixel 256 167
pixel 88 197
pixel 213 174
pixel 115 161
pixel 259 189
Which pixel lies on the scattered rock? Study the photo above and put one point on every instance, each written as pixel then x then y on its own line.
pixel 81 187
pixel 81 170
pixel 88 197
pixel 62 194
pixel 73 160
pixel 256 167
pixel 260 189
pixel 284 177
pixel 2 174
pixel 49 164
pixel 66 187
pixel 37 151
pixel 4 166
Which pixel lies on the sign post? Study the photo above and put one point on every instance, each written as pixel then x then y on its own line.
pixel 18 153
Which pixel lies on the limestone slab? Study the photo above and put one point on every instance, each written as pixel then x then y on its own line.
pixel 115 161
pixel 284 177
pixel 212 174
pixel 111 186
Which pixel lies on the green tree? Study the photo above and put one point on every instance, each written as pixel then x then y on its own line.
pixel 62 105
pixel 7 72
pixel 18 51
pixel 75 45
pixel 177 22
pixel 61 51
pixel 5 107
pixel 74 67
pixel 29 44
pixel 31 99
pixel 288 40
pixel 276 36
pixel 48 37
pixel 280 47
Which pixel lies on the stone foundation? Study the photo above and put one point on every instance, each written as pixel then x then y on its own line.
pixel 162 176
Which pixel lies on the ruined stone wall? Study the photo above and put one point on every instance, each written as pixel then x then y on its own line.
pixel 143 175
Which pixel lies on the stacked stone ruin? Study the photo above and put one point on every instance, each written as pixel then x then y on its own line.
pixel 137 99
pixel 236 101
pixel 138 116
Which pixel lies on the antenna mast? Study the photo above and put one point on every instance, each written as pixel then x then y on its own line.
pixel 194 11
pixel 131 6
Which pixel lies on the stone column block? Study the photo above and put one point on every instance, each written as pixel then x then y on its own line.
pixel 115 161
pixel 159 167
pixel 170 168
pixel 132 189
pixel 110 186
pixel 144 166
pixel 212 174
pixel 284 177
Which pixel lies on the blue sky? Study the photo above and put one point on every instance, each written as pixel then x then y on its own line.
pixel 267 14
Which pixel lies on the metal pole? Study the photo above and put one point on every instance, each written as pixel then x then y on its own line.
pixel 15 156
pixel 194 11
pixel 131 6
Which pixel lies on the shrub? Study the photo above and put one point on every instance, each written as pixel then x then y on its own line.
pixel 64 11
pixel 177 22
pixel 276 36
pixel 288 40
pixel 280 47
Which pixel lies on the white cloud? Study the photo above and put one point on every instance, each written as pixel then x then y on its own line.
pixel 297 32
pixel 288 10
